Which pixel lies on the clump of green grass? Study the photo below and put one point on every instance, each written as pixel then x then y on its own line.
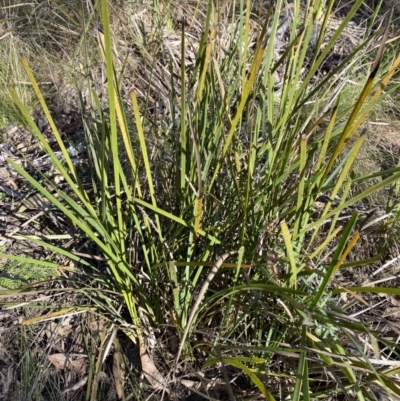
pixel 233 168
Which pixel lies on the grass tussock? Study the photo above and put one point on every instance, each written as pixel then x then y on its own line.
pixel 203 201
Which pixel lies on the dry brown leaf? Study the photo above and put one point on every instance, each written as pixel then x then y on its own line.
pixel 61 330
pixel 50 329
pixel 392 312
pixel 150 371
pixel 58 360
pixel 394 301
pixel 96 325
pixel 61 362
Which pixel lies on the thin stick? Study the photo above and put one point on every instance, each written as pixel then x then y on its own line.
pixel 202 292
